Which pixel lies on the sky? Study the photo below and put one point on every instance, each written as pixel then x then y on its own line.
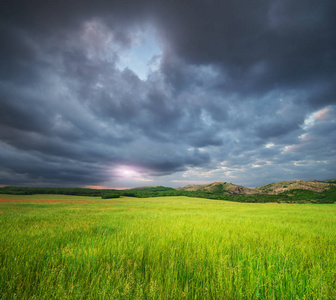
pixel 120 94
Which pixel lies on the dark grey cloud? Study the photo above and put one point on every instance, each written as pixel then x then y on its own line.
pixel 236 91
pixel 259 45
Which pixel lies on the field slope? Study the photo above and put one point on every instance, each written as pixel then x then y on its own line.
pixel 66 247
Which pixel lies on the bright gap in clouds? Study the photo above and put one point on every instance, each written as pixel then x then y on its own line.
pixel 126 174
pixel 142 57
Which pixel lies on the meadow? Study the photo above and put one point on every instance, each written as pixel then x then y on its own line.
pixel 71 247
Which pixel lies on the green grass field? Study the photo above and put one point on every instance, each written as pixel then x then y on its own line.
pixel 164 248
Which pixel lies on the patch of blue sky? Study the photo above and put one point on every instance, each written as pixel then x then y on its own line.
pixel 138 58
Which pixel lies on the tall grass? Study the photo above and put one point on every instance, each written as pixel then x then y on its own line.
pixel 165 248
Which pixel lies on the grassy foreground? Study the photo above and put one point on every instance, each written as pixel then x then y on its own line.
pixel 164 248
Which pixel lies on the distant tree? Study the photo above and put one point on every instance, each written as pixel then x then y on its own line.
pixel 110 195
pixel 129 194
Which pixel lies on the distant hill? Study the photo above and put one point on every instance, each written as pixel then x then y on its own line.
pixel 140 188
pixel 280 187
pixel 298 191
pixel 270 189
pixel 218 187
pixel 330 181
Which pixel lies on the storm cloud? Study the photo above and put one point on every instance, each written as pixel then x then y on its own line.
pixel 129 93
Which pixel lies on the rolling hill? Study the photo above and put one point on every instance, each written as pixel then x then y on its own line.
pixel 298 191
pixel 285 186
pixel 218 187
pixel 270 189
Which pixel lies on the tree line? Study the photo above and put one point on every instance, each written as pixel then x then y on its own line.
pixel 292 196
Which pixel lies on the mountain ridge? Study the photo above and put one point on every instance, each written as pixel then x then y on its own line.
pixel 299 191
pixel 216 186
pixel 271 188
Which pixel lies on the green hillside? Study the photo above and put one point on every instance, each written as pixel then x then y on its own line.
pixel 280 187
pixel 298 191
pixel 330 181
pixel 218 187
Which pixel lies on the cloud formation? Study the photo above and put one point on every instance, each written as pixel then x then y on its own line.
pixel 234 92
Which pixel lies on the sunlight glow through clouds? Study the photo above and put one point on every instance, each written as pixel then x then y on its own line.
pixel 130 172
pixel 96 187
pixel 323 114
pixel 291 148
pixel 304 137
pixel 126 172
pixel 320 115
